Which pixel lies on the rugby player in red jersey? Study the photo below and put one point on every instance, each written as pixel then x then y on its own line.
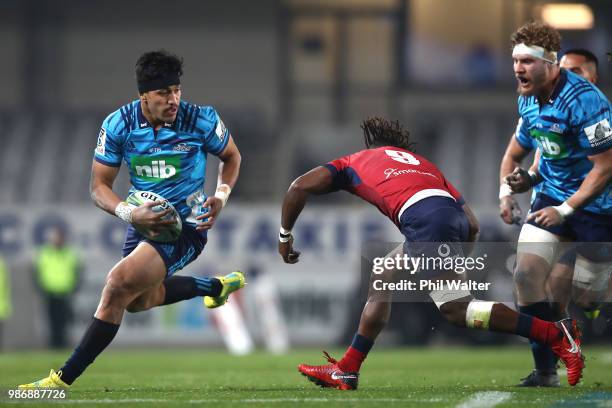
pixel 414 194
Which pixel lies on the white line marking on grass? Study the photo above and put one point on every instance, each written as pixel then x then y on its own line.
pixel 334 400
pixel 96 401
pixel 486 399
pixel 244 401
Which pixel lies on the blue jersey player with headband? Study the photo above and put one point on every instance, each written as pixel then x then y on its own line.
pixel 568 119
pixel 563 283
pixel 164 142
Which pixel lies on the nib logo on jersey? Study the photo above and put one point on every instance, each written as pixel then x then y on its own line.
pixel 551 144
pixel 155 169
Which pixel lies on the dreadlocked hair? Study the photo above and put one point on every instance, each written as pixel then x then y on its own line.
pixel 381 132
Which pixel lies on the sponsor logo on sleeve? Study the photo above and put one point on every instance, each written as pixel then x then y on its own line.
pixel 101 145
pixel 220 129
pixel 599 134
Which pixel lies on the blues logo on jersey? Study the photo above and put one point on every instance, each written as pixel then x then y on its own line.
pixel 572 125
pixel 170 161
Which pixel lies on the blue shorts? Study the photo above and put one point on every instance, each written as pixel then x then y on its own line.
pixel 593 251
pixel 582 226
pixel 434 220
pixel 176 254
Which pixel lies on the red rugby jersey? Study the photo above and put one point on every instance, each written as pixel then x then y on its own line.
pixel 391 178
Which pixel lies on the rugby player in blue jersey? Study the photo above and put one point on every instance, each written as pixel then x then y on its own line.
pixel 164 142
pixel 562 284
pixel 568 119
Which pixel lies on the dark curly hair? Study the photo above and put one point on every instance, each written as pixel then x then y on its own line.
pixel 380 132
pixel 588 55
pixel 158 64
pixel 537 33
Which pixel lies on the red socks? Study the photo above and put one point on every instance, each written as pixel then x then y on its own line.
pixel 351 362
pixel 543 332
pixel 355 354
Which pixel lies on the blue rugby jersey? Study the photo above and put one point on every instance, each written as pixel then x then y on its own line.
pixel 573 124
pixel 170 161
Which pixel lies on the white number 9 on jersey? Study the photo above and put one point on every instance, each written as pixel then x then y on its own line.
pixel 403 157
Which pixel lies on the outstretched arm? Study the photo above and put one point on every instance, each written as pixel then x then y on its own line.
pixel 317 181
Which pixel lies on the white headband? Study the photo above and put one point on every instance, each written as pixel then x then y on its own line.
pixel 535 51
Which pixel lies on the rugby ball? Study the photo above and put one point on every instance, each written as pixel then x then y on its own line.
pixel 166 234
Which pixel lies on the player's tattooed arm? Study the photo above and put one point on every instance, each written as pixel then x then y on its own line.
pixel 229 168
pixel 317 181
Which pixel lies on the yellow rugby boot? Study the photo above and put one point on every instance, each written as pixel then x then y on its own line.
pixel 231 283
pixel 53 381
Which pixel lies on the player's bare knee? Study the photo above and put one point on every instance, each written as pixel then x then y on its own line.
pixel 113 296
pixel 526 276
pixel 118 289
pixel 146 301
pixel 135 306
pixel 121 276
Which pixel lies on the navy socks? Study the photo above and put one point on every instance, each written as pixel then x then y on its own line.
pixel 544 358
pixel 98 336
pixel 187 287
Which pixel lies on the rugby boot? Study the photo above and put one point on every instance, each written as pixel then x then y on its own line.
pixel 231 283
pixel 540 378
pixel 53 381
pixel 567 347
pixel 330 375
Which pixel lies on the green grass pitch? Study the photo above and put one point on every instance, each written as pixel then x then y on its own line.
pixel 419 377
